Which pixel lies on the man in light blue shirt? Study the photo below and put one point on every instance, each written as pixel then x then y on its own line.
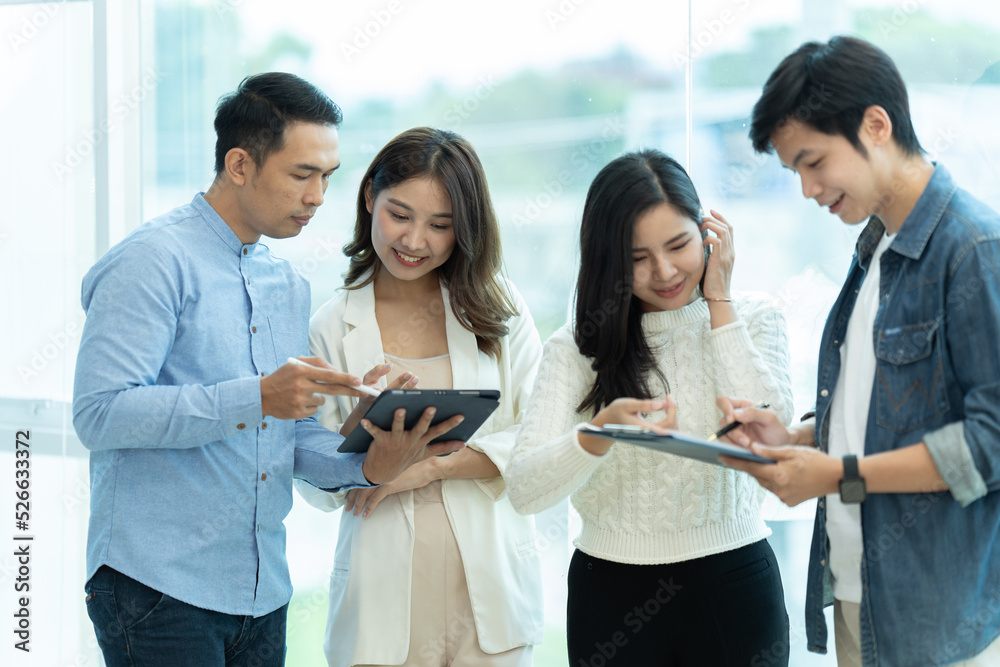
pixel 195 422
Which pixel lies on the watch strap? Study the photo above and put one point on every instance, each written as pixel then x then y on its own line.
pixel 851 467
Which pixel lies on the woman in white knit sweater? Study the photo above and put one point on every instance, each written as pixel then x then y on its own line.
pixel 672 564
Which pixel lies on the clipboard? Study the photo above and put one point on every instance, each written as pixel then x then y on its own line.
pixel 476 405
pixel 679 444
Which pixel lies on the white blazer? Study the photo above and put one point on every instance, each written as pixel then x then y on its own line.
pixel 369 614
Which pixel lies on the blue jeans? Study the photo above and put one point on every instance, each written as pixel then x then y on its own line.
pixel 136 625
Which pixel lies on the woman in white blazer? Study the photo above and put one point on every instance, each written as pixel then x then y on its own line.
pixel 435 567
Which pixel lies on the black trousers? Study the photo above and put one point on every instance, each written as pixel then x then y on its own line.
pixel 724 610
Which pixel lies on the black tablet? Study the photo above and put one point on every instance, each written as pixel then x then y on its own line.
pixel 476 405
pixel 679 444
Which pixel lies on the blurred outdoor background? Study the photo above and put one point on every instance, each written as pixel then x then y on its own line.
pixel 107 107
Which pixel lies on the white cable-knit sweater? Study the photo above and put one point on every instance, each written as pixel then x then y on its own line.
pixel 640 506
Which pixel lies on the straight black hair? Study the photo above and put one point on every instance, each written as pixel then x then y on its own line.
pixel 255 115
pixel 828 86
pixel 608 322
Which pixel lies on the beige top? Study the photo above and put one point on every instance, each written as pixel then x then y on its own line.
pixel 433 372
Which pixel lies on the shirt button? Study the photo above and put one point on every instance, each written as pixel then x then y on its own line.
pixel 824 393
pixel 836 342
pixel 254 329
pixel 822 562
pixel 240 427
pixel 263 477
pixel 244 251
pixel 821 504
pixel 262 373
pixel 264 426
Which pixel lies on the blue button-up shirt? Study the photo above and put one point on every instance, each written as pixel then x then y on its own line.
pixel 931 565
pixel 190 483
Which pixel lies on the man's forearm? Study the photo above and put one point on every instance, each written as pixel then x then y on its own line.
pixel 905 470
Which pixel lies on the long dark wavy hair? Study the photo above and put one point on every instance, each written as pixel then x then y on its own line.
pixel 608 323
pixel 479 298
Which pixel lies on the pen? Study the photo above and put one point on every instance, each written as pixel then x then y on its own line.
pixel 729 427
pixel 363 388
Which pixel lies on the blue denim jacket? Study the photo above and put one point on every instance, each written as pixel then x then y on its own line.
pixel 931 565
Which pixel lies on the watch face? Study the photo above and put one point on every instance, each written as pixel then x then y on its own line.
pixel 852 490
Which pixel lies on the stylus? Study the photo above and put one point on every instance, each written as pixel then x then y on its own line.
pixel 729 427
pixel 363 388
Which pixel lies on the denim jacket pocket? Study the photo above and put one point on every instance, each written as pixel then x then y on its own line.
pixel 909 380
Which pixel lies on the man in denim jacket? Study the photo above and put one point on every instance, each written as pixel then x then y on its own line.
pixel 906 457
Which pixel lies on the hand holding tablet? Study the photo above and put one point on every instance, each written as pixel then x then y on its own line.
pixel 679 444
pixel 476 405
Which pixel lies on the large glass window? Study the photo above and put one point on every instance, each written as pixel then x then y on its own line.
pixel 109 107
pixel 47 241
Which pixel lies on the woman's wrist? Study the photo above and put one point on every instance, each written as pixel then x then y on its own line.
pixel 721 311
pixel 591 443
pixel 712 296
pixel 439 467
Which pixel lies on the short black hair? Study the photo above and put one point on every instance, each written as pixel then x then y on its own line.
pixel 254 116
pixel 828 86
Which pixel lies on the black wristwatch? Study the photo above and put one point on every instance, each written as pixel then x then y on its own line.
pixel 852 486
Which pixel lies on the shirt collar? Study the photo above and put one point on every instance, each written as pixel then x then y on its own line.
pixel 926 214
pixel 869 239
pixel 916 231
pixel 219 225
